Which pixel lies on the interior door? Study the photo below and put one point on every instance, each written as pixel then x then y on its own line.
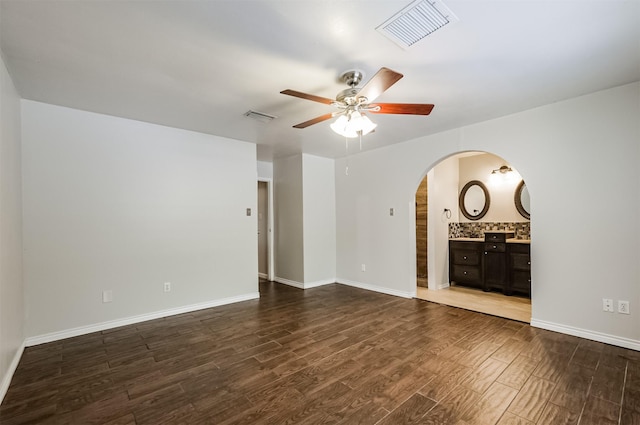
pixel 263 229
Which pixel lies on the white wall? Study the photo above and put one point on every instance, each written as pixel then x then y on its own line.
pixel 443 193
pixel 289 231
pixel 305 220
pixel 579 158
pixel 265 170
pixel 319 209
pixel 12 331
pixel 121 205
pixel 501 187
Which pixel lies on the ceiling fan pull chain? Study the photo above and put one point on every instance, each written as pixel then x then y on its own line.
pixel 346 151
pixel 360 134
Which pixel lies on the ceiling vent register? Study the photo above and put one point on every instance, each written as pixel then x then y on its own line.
pixel 416 21
pixel 260 116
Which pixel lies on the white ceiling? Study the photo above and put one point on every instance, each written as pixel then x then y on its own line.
pixel 200 65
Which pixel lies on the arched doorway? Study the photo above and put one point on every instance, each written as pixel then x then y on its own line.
pixel 442 216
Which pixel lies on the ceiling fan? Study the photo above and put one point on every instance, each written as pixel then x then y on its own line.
pixel 353 103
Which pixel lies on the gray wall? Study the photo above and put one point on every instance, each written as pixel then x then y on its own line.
pixel 121 205
pixel 579 158
pixel 12 332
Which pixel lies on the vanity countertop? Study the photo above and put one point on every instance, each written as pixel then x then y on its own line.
pixel 510 240
pixel 514 240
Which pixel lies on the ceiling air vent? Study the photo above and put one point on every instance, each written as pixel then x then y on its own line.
pixel 416 21
pixel 260 116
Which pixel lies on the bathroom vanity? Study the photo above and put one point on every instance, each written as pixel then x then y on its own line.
pixel 497 262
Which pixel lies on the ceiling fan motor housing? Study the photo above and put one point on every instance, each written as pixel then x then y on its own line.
pixel 348 96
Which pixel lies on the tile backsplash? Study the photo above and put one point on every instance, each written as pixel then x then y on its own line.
pixel 522 230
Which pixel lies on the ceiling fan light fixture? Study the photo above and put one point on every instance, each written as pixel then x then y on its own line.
pixel 353 125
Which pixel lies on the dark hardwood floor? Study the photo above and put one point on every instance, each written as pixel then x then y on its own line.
pixel 329 355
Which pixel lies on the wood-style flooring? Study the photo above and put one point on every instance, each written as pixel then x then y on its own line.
pixel 494 303
pixel 328 355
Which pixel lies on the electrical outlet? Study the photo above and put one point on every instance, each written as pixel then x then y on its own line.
pixel 623 307
pixel 607 305
pixel 167 287
pixel 363 268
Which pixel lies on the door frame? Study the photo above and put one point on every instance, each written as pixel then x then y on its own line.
pixel 270 252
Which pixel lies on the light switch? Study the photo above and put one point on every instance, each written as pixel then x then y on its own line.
pixel 107 296
pixel 248 212
pixel 391 212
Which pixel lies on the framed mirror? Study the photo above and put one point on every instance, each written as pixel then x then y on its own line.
pixel 474 200
pixel 522 200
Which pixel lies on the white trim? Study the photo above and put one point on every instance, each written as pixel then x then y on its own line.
pixel 83 330
pixel 319 283
pixel 270 225
pixel 444 285
pixel 8 376
pixel 263 275
pixel 376 288
pixel 584 333
pixel 288 282
pixel 301 285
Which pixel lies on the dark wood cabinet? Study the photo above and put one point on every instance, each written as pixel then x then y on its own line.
pixel 495 260
pixel 519 269
pixel 491 263
pixel 495 266
pixel 465 263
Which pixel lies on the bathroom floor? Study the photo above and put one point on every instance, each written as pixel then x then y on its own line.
pixel 494 303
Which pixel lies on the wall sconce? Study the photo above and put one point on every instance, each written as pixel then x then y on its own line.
pixel 503 170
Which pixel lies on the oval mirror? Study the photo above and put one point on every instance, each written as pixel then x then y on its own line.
pixel 522 200
pixel 474 200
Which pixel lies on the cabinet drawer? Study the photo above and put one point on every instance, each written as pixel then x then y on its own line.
pixel 520 262
pixel 470 258
pixel 495 247
pixel 520 248
pixel 497 237
pixel 466 274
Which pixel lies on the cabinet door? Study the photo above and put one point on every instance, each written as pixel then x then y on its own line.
pixel 495 270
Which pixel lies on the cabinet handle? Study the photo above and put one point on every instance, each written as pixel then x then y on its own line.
pixel 494 247
pixel 464 258
pixel 465 273
pixel 529 263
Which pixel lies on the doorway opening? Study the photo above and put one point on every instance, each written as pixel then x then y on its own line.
pixel 265 232
pixel 496 283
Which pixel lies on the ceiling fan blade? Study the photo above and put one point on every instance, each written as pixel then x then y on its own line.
pixel 380 82
pixel 312 97
pixel 402 108
pixel 315 120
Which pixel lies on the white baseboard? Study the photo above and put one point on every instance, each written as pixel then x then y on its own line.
pixel 263 275
pixel 443 285
pixel 307 285
pixel 83 330
pixel 6 379
pixel 288 282
pixel 584 333
pixel 319 283
pixel 376 288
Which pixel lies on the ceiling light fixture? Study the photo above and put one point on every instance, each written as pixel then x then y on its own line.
pixel 352 124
